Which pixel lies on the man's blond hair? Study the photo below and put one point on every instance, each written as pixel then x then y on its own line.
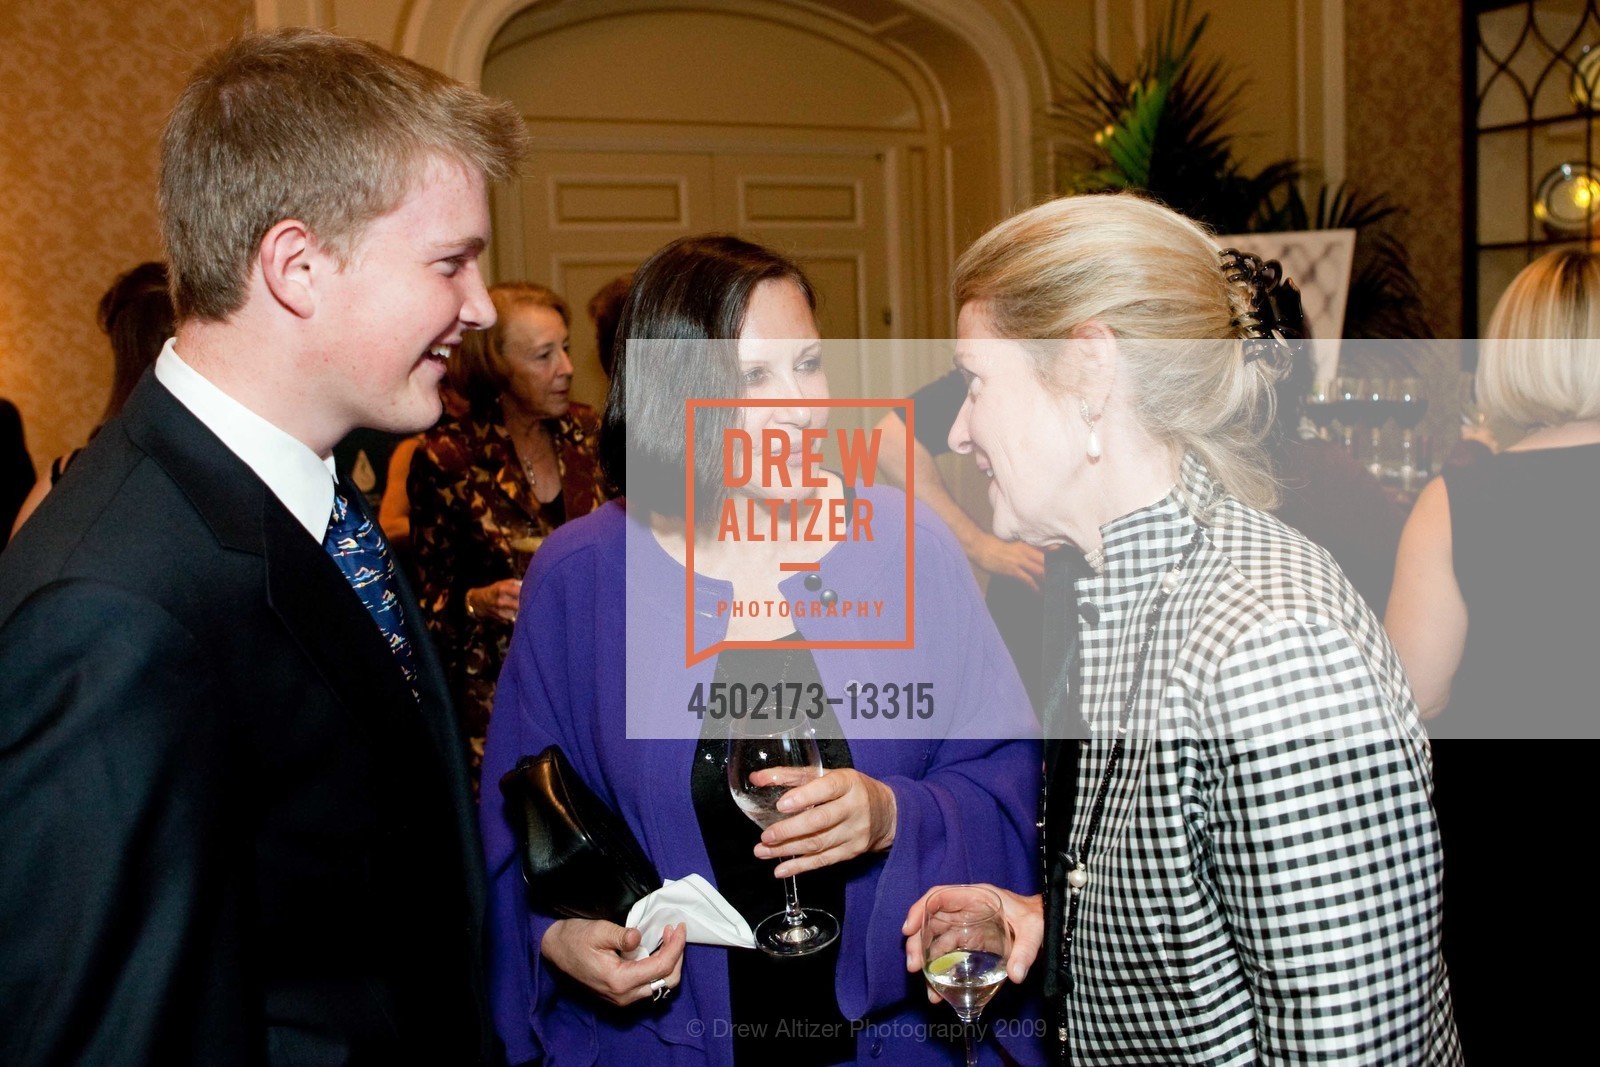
pixel 302 124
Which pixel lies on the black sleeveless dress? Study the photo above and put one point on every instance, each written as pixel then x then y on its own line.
pixel 1517 815
pixel 1526 528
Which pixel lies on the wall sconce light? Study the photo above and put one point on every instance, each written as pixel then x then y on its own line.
pixel 1568 199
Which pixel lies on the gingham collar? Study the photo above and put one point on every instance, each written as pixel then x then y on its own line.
pixel 1151 539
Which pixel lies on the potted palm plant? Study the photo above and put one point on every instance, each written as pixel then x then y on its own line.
pixel 1165 129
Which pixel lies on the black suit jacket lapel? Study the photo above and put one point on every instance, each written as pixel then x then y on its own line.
pixel 439 716
pixel 304 587
pixel 331 625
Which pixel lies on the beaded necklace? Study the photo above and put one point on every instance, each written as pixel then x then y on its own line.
pixel 1078 876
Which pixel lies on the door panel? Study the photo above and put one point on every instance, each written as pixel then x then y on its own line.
pixel 588 216
pixel 827 212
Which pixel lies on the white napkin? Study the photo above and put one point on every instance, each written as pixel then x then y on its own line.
pixel 712 920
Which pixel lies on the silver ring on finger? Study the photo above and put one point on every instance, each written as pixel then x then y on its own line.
pixel 660 990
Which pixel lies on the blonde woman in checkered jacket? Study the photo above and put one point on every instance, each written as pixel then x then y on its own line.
pixel 1242 863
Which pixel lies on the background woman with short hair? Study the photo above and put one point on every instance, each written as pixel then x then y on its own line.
pixel 1496 613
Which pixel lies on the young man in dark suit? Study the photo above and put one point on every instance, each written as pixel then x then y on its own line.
pixel 233 799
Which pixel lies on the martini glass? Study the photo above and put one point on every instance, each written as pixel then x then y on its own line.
pixel 965 942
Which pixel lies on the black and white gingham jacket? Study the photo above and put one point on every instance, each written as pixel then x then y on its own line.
pixel 1265 887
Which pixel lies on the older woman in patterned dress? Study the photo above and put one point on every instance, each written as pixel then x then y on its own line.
pixel 1242 864
pixel 488 487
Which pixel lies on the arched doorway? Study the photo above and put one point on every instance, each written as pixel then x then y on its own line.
pixel 982 48
pixel 654 120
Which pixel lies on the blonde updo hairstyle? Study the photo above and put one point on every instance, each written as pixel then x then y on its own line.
pixel 1145 273
pixel 1540 361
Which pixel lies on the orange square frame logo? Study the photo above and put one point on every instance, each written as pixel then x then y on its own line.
pixel 691 655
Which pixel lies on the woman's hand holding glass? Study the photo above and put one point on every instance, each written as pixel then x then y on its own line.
pixel 965 944
pixel 496 601
pixel 1024 916
pixel 593 952
pixel 830 819
pixel 765 765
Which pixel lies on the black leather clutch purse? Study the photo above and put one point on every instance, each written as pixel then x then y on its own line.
pixel 578 856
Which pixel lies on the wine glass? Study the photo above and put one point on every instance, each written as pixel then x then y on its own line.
pixel 1375 413
pixel 965 942
pixel 522 537
pixel 1410 404
pixel 765 761
pixel 1317 405
pixel 1349 401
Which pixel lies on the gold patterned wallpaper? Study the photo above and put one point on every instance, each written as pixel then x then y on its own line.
pixel 87 87
pixel 1404 133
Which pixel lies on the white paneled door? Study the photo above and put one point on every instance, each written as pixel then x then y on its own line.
pixel 587 216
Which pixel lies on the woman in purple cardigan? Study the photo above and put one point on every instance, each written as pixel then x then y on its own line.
pixel 598 665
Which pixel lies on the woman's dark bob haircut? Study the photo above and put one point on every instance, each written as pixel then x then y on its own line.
pixel 696 289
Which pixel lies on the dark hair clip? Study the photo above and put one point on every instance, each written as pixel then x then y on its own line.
pixel 1276 318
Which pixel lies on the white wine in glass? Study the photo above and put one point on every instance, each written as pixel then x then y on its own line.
pixel 965 942
pixel 765 761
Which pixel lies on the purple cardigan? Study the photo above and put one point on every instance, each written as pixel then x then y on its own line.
pixel 966 806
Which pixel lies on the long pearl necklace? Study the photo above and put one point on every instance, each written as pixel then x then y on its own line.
pixel 1078 876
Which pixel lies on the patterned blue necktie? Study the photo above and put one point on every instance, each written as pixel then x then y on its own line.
pixel 357 546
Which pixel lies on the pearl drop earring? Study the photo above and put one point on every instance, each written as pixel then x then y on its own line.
pixel 1093 447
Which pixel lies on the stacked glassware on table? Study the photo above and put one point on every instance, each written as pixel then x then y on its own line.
pixel 1378 421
